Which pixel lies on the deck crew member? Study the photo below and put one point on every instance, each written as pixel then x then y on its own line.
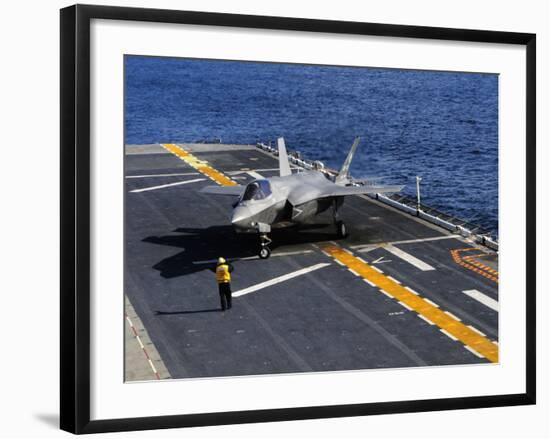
pixel 223 277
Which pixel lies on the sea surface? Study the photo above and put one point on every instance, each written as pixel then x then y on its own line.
pixel 441 126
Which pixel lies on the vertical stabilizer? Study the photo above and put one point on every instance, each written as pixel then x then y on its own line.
pixel 343 175
pixel 284 166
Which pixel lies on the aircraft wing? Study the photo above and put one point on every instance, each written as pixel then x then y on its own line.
pixel 367 189
pixel 334 190
pixel 234 191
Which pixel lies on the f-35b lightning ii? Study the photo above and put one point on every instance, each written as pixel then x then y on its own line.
pixel 291 199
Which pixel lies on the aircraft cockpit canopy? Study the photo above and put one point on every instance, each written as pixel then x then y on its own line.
pixel 257 190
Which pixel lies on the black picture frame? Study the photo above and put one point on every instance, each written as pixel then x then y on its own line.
pixel 75 217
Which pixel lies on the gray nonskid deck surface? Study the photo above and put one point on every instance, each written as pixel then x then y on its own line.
pixel 328 319
pixel 153 148
pixel 157 148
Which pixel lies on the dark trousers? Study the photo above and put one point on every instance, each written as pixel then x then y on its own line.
pixel 225 295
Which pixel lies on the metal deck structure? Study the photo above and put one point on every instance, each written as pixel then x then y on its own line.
pixel 399 291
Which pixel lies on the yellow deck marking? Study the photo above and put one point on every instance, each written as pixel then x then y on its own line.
pixel 451 325
pixel 475 266
pixel 199 165
pixel 471 259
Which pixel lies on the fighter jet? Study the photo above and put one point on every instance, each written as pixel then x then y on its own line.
pixel 293 198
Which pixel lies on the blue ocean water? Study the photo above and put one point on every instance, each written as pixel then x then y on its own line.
pixel 441 126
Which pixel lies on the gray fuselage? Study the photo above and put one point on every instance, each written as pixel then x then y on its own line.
pixel 276 201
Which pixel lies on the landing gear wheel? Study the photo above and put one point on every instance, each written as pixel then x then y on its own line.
pixel 341 229
pixel 265 253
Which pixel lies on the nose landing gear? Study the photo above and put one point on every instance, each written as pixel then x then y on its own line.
pixel 263 230
pixel 265 251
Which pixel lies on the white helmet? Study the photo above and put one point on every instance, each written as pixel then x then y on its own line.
pixel 221 260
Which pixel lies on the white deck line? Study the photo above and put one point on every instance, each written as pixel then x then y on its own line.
pixel 296 252
pixel 369 282
pixel 255 175
pixel 411 290
pixel 450 314
pixel 421 265
pixel 393 278
pixel 407 241
pixel 425 319
pixel 178 183
pixel 279 279
pixel 476 330
pixel 452 337
pixel 430 302
pixel 387 294
pixel 365 248
pixel 482 298
pixel 473 352
pixel 249 258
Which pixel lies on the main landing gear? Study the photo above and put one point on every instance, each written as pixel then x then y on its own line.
pixel 341 230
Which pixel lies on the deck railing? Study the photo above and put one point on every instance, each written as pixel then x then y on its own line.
pixel 403 203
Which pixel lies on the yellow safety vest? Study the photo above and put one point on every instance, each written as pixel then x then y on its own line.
pixel 222 273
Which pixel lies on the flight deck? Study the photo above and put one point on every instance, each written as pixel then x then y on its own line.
pixel 397 292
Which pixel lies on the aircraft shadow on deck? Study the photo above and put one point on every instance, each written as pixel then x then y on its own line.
pixel 212 242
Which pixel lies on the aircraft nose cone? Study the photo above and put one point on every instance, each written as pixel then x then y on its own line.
pixel 241 217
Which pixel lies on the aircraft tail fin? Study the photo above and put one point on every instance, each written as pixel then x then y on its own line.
pixel 343 175
pixel 284 166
